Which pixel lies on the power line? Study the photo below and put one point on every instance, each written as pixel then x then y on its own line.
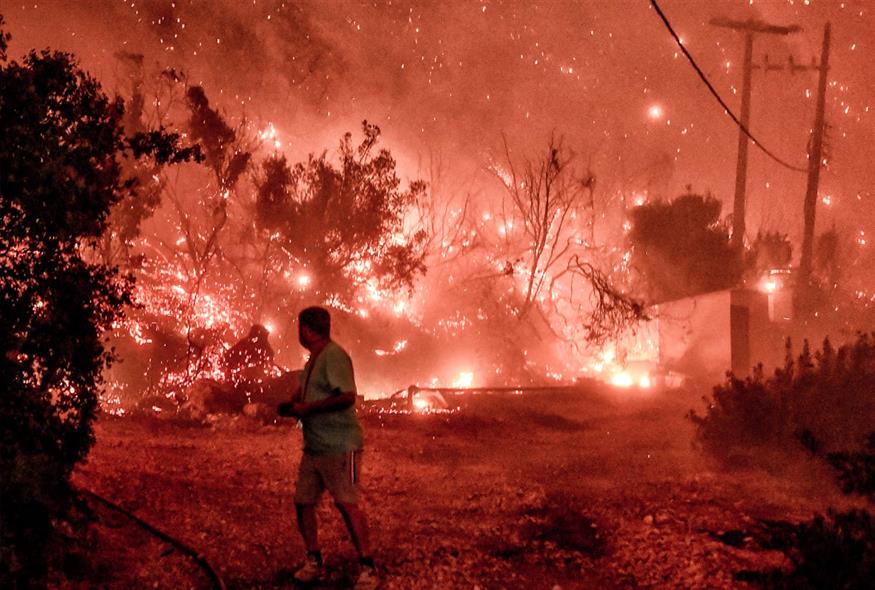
pixel 714 92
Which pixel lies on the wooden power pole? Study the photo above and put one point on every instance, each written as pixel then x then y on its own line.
pixel 750 28
pixel 815 162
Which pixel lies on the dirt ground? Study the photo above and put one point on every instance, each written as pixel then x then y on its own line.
pixel 584 489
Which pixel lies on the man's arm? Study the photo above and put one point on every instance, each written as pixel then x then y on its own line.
pixel 286 409
pixel 339 401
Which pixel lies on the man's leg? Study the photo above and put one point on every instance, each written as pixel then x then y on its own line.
pixel 308 526
pixel 307 491
pixel 341 476
pixel 342 481
pixel 357 525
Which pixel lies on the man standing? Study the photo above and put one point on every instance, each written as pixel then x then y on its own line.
pixel 325 405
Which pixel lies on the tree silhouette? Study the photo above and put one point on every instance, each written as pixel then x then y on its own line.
pixel 62 162
pixel 770 250
pixel 679 248
pixel 543 191
pixel 336 218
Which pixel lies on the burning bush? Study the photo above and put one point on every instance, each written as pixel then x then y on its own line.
pixel 61 170
pixel 344 222
pixel 829 395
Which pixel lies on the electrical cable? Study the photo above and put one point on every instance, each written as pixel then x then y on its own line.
pixel 726 108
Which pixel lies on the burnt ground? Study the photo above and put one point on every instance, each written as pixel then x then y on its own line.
pixel 567 490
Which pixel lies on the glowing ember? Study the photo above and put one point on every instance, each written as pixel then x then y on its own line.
pixel 269 134
pixel 622 379
pixel 396 348
pixel 464 379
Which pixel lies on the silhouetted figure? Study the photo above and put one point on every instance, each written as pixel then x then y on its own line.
pixel 325 405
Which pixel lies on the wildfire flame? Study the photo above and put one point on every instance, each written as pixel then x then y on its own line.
pixel 464 379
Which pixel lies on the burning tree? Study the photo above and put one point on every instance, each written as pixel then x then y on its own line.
pixel 127 215
pixel 770 250
pixel 543 233
pixel 227 159
pixel 520 286
pixel 228 249
pixel 62 164
pixel 543 193
pixel 176 248
pixel 344 223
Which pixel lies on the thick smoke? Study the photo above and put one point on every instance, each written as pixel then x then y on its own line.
pixel 451 77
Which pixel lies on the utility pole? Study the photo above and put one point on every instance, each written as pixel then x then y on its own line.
pixel 750 28
pixel 815 162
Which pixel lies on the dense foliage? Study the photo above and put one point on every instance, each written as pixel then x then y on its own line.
pixel 61 170
pixel 827 397
pixel 856 469
pixel 680 248
pixel 338 218
pixel 832 551
pixel 825 402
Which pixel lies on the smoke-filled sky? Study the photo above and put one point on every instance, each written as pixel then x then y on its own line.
pixel 447 79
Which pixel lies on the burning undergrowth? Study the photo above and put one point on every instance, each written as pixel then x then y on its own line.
pixel 429 286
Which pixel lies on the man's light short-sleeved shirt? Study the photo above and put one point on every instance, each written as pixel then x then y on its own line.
pixel 330 373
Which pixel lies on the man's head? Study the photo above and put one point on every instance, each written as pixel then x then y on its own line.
pixel 314 324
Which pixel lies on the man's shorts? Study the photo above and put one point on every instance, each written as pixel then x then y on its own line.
pixel 338 473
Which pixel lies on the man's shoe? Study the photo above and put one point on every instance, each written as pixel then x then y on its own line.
pixel 310 571
pixel 368 579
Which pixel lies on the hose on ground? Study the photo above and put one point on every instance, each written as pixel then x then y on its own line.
pixel 198 558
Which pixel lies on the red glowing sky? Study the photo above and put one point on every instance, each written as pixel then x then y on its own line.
pixel 449 78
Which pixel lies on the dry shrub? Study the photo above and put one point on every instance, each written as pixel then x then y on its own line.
pixel 827 397
pixel 835 551
pixel 856 469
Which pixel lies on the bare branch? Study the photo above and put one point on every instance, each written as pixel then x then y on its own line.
pixel 613 312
